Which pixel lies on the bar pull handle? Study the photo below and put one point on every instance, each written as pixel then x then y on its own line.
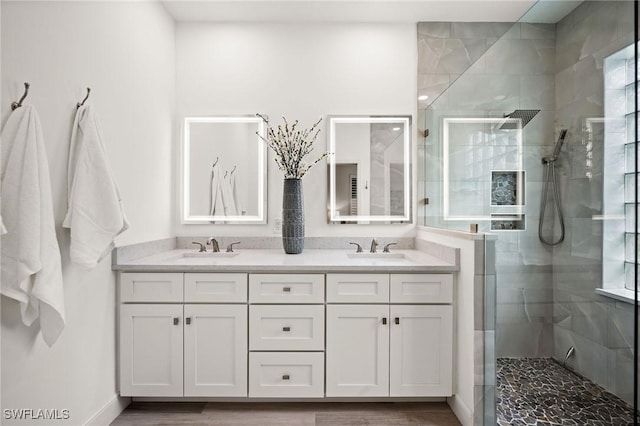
pixel 188 320
pixel 176 321
pixel 286 328
pixel 285 377
pixel 286 289
pixel 384 320
pixel 397 320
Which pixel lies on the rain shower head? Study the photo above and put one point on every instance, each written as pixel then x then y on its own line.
pixel 524 115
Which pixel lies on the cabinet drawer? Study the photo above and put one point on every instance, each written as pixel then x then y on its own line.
pixel 358 288
pixel 286 374
pixel 421 288
pixel 286 288
pixel 293 328
pixel 218 288
pixel 151 287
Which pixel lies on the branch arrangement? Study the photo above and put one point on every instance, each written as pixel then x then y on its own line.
pixel 291 145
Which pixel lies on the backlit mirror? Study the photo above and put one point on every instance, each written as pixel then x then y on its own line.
pixel 369 169
pixel 223 170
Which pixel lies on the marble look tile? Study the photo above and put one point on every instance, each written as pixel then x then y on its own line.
pixel 538 31
pixel 527 57
pixel 489 310
pixel 478 302
pixel 446 56
pixel 486 92
pixel 478 358
pixel 434 29
pixel 432 85
pixel 479 30
pixel 538 91
pixel 524 339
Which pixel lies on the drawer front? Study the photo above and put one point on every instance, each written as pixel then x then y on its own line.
pixel 421 288
pixel 151 287
pixel 358 288
pixel 218 288
pixel 286 374
pixel 286 288
pixel 288 328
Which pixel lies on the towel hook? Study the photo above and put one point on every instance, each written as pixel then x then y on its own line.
pixel 215 162
pixel 16 105
pixel 79 104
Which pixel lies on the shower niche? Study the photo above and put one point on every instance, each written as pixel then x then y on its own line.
pixel 507 200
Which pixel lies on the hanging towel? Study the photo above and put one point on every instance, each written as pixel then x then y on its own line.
pixel 95 215
pixel 236 195
pixel 217 206
pixel 227 197
pixel 31 270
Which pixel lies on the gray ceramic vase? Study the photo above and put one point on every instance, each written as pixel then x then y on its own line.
pixel 292 217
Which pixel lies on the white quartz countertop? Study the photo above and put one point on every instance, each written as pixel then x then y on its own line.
pixel 275 260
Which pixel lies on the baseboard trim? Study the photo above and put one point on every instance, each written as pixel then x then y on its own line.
pixel 462 412
pixel 109 411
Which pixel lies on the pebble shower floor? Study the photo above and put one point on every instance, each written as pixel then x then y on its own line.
pixel 540 391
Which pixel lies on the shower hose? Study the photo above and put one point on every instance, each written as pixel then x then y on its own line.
pixel 550 179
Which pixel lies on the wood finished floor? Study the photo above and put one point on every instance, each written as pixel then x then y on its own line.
pixel 287 414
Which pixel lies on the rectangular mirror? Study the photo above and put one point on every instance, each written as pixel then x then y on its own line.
pixel 369 169
pixel 223 170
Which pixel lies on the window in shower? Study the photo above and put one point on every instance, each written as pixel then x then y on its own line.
pixel 618 130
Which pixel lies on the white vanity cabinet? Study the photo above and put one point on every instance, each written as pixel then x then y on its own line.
pixel 175 340
pixel 286 335
pixel 386 347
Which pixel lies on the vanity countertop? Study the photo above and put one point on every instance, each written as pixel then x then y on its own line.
pixel 275 260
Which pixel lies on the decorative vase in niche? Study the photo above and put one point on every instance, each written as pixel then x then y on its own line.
pixel 292 217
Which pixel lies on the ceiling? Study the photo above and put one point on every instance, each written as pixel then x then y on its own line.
pixel 390 11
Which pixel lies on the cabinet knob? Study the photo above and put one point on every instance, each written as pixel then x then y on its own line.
pixel 397 320
pixel 188 320
pixel 285 377
pixel 384 321
pixel 176 321
pixel 286 328
pixel 286 289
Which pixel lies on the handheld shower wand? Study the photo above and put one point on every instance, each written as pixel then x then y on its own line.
pixel 551 179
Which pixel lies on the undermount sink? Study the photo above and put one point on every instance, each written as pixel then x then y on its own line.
pixel 390 256
pixel 210 254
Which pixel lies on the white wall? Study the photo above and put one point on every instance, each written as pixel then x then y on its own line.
pixel 125 52
pixel 301 71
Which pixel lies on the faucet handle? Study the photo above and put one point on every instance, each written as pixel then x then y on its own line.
pixel 358 247
pixel 202 249
pixel 230 246
pixel 386 247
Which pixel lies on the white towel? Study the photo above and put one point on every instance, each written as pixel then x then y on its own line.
pixel 31 271
pixel 227 197
pixel 217 206
pixel 95 215
pixel 236 195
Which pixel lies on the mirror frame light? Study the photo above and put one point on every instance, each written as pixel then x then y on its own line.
pixel 261 217
pixel 405 218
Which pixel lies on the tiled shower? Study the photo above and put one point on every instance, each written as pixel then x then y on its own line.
pixel 575 67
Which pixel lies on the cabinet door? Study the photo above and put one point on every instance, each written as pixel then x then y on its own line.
pixel 357 350
pixel 215 350
pixel 151 350
pixel 421 350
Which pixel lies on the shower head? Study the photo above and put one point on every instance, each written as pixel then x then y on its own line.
pixel 524 115
pixel 556 150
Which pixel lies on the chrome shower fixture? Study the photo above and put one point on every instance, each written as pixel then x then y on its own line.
pixel 524 115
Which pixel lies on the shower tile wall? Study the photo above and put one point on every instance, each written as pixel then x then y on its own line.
pixel 599 328
pixel 514 71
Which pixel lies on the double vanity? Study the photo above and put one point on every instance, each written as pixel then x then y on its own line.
pixel 258 323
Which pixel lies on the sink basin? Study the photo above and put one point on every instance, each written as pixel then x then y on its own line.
pixel 390 256
pixel 209 254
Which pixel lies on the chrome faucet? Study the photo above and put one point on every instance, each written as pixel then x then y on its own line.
pixel 386 247
pixel 214 245
pixel 374 244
